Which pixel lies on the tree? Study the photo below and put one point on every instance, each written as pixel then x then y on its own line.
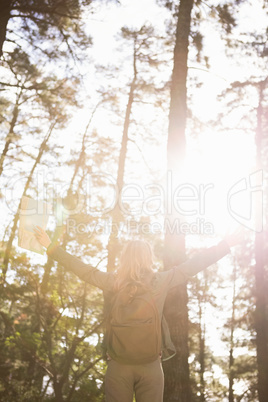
pixel 39 20
pixel 143 58
pixel 32 95
pixel 244 89
pixel 44 341
pixel 177 381
pixel 261 320
pixel 248 97
pixel 26 188
pixel 177 369
pixel 50 99
pixel 200 298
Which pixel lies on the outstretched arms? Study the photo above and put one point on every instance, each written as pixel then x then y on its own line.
pixel 203 259
pixel 87 273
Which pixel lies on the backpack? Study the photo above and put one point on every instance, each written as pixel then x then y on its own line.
pixel 133 327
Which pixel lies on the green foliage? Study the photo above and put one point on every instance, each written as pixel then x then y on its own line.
pixel 52 29
pixel 47 336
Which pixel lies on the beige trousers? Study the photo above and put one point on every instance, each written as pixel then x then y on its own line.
pixel 146 381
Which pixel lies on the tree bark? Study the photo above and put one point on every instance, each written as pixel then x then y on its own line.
pixel 231 350
pixel 10 135
pixel 17 215
pixel 5 9
pixel 177 381
pixel 260 275
pixel 261 320
pixel 202 334
pixel 117 214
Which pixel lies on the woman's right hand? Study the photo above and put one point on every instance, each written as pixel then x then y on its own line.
pixel 42 236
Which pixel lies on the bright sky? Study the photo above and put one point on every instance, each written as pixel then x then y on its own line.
pixel 213 158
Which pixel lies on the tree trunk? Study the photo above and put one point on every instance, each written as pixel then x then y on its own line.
pixel 231 374
pixel 177 381
pixel 5 9
pixel 260 275
pixel 17 215
pixel 202 333
pixel 58 391
pixel 117 214
pixel 10 134
pixel 231 350
pixel 261 320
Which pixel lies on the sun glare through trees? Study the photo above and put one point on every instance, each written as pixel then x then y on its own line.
pixel 133 120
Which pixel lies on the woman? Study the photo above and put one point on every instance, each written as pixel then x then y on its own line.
pixel 146 380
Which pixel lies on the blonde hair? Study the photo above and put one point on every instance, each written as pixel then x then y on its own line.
pixel 136 264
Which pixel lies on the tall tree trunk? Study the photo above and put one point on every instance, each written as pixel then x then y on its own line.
pixel 231 350
pixel 260 274
pixel 10 135
pixel 82 155
pixel 177 381
pixel 5 9
pixel 58 391
pixel 261 319
pixel 59 229
pixel 202 332
pixel 117 214
pixel 17 215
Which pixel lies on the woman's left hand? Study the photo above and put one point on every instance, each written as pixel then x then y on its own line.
pixel 42 236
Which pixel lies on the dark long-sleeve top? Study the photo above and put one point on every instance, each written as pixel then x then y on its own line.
pixel 162 283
